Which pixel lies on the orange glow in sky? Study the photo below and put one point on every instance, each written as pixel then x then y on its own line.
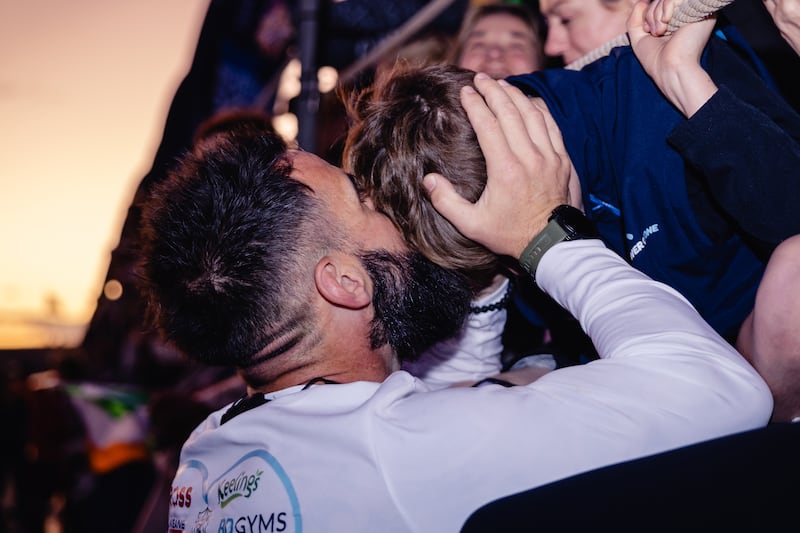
pixel 84 90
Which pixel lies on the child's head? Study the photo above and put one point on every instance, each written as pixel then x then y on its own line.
pixel 409 124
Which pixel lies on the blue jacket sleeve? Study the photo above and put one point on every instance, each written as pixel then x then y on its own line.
pixel 750 159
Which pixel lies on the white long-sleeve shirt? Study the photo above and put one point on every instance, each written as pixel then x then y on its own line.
pixel 397 456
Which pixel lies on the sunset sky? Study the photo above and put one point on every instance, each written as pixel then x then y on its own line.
pixel 84 90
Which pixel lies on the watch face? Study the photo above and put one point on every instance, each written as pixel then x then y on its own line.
pixel 574 222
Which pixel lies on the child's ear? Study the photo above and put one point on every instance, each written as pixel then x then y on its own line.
pixel 342 280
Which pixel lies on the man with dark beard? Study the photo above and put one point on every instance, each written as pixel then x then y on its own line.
pixel 270 260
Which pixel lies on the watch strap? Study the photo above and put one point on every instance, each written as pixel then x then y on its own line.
pixel 552 234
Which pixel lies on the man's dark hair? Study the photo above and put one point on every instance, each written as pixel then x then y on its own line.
pixel 224 240
pixel 409 124
pixel 244 121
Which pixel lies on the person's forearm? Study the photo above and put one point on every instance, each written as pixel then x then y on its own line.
pixel 750 159
pixel 786 14
pixel 672 60
pixel 688 88
pixel 631 317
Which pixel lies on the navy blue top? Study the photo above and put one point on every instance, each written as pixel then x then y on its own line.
pixel 639 191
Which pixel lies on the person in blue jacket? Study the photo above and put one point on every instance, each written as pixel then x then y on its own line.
pixel 698 201
pixel 757 184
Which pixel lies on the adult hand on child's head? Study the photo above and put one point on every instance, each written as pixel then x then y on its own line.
pixel 528 169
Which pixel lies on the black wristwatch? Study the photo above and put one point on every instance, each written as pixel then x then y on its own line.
pixel 565 224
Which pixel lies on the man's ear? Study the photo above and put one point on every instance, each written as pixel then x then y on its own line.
pixel 342 280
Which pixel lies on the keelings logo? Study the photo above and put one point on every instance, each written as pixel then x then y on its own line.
pixel 242 485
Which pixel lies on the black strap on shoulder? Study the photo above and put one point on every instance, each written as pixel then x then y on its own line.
pixel 245 403
pixel 496 381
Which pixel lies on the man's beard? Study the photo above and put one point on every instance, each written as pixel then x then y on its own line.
pixel 417 303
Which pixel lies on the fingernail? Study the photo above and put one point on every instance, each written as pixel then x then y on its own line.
pixel 481 76
pixel 468 89
pixel 429 182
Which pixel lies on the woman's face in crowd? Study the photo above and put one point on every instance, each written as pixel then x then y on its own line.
pixel 576 27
